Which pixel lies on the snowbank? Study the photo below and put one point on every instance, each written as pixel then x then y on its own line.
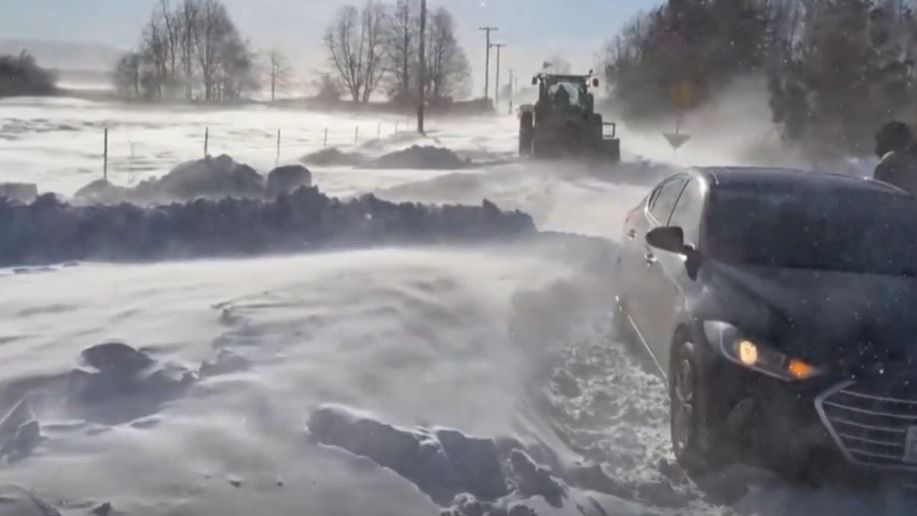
pixel 450 467
pixel 423 157
pixel 334 157
pixel 208 178
pixel 48 231
pixel 22 192
pixel 287 179
pixel 18 501
pixel 115 384
pixel 426 157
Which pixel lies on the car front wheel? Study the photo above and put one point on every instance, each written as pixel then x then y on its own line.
pixel 690 426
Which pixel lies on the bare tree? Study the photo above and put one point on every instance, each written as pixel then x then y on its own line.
pixel 173 36
pixel 448 71
pixel 197 39
pixel 402 33
pixel 127 76
pixel 211 31
pixel 327 89
pixel 236 69
pixel 279 73
pixel 343 45
pixel 373 31
pixel 188 14
pixel 155 54
pixel 354 44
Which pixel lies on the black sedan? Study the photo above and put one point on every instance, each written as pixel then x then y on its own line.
pixel 781 308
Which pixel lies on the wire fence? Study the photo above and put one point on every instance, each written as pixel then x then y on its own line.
pixel 131 157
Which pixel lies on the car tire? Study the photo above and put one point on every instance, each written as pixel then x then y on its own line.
pixel 691 428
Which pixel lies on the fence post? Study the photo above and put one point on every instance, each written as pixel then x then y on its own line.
pixel 356 135
pixel 379 131
pixel 105 157
pixel 206 140
pixel 277 161
pixel 325 144
pixel 130 165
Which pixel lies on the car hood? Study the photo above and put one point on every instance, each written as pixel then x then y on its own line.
pixel 846 320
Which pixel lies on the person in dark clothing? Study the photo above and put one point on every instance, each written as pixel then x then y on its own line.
pixel 896 147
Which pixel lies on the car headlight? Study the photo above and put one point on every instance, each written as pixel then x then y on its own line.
pixel 765 360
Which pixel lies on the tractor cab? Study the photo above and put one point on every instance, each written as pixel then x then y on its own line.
pixel 565 92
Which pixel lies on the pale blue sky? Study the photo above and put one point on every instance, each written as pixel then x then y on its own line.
pixel 534 29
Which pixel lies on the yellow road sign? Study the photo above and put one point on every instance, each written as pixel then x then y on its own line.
pixel 683 95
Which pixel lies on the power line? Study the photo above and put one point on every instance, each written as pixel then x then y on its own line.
pixel 487 30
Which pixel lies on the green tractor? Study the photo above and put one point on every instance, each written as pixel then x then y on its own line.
pixel 564 124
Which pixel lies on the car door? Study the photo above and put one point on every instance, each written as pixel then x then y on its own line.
pixel 667 279
pixel 631 254
pixel 642 305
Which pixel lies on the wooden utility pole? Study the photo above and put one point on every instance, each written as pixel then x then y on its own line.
pixel 512 90
pixel 422 74
pixel 487 30
pixel 498 46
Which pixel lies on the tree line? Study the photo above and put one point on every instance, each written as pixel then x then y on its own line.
pixel 192 51
pixel 21 75
pixel 376 49
pixel 835 69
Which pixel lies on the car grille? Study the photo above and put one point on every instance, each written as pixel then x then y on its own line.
pixel 871 429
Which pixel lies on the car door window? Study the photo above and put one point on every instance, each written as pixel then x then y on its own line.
pixel 664 199
pixel 688 211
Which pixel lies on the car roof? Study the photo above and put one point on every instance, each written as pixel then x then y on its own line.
pixel 790 178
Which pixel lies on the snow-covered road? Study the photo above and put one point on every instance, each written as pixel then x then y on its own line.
pixel 376 381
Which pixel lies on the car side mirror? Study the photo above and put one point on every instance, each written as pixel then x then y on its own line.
pixel 534 81
pixel 672 239
pixel 667 238
pixel 595 83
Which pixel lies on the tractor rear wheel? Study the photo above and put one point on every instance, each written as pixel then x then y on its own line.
pixel 526 133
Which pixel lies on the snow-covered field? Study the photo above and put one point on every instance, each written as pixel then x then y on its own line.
pixel 332 380
pixel 59 143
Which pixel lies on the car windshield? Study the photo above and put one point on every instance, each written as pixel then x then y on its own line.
pixel 848 230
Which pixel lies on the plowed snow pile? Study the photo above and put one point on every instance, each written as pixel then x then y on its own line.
pixel 476 377
pixel 48 231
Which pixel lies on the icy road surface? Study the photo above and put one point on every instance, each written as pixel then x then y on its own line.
pixel 336 383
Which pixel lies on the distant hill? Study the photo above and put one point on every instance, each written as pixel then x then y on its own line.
pixel 65 55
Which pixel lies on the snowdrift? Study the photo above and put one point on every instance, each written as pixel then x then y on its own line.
pixel 22 192
pixel 208 178
pixel 49 231
pixel 18 501
pixel 334 157
pixel 426 157
pixel 469 473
